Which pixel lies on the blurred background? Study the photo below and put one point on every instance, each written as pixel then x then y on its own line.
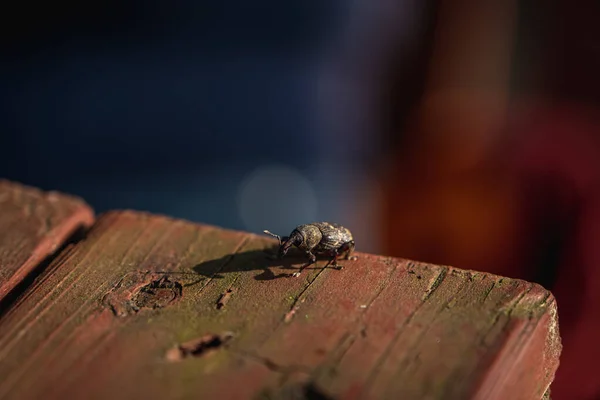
pixel 464 133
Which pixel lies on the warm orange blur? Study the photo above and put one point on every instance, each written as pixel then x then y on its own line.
pixel 506 179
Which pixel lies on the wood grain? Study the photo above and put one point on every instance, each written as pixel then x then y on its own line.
pixel 33 225
pixel 150 307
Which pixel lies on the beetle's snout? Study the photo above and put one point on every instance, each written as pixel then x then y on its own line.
pixel 285 246
pixel 283 249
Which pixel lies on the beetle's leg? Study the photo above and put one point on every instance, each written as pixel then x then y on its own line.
pixel 349 250
pixel 311 260
pixel 333 261
pixel 346 249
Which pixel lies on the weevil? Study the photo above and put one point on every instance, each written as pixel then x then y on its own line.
pixel 318 238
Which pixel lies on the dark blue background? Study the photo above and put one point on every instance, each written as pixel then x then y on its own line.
pixel 168 106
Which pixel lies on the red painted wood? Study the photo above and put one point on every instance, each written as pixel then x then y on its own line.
pixel 138 310
pixel 33 225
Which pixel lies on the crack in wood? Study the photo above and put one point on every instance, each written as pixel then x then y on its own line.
pixel 199 234
pixel 295 307
pixel 70 374
pixel 436 283
pixel 39 274
pixel 410 354
pixel 503 312
pixel 455 374
pixel 542 302
pixel 335 356
pixel 272 365
pixel 488 291
pixel 385 354
pixel 511 309
pixel 361 328
pixel 226 262
pixel 28 316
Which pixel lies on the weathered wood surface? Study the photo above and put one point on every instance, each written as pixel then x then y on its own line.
pixel 150 307
pixel 33 225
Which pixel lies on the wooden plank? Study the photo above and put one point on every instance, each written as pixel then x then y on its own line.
pixel 33 225
pixel 151 307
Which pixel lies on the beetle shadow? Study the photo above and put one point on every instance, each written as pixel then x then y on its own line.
pixel 263 260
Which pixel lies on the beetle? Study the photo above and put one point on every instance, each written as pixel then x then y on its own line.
pixel 318 238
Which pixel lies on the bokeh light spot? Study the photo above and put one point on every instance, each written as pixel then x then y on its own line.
pixel 277 198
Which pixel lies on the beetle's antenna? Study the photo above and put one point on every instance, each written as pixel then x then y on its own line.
pixel 274 235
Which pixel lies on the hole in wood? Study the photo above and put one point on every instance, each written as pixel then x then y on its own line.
pixel 200 347
pixel 142 289
pixel 157 294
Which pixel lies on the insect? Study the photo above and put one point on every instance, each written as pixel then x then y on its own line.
pixel 322 238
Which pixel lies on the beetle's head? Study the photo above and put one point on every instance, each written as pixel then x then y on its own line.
pixel 295 239
pixel 286 242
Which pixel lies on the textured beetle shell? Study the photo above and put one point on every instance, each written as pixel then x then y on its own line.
pixel 323 237
pixel 311 235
